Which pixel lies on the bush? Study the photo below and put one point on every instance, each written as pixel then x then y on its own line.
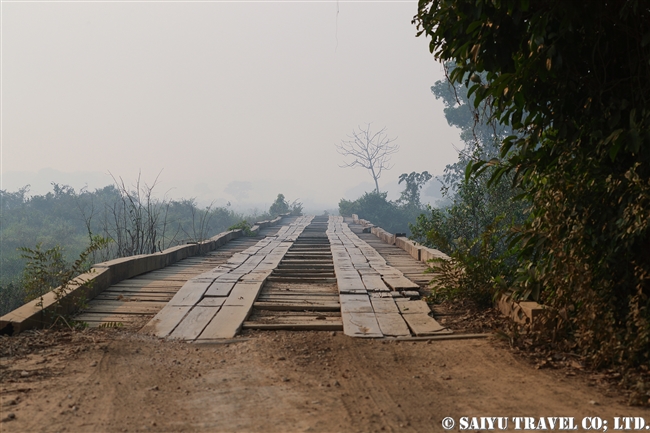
pixel 376 208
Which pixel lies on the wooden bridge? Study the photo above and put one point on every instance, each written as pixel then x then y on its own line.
pixel 308 273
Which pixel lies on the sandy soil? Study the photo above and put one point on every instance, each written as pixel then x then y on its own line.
pixel 114 380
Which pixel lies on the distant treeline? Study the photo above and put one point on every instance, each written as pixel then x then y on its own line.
pixel 131 218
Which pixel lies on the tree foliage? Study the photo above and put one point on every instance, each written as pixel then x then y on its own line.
pixel 413 183
pixel 67 220
pixel 572 79
pixel 392 216
pixel 281 206
pixel 473 222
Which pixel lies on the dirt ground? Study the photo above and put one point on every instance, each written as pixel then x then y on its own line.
pixel 115 380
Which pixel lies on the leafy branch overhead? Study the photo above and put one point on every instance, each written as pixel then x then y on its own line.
pixel 571 79
pixel 369 150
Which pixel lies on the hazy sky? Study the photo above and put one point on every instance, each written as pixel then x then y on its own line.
pixel 231 100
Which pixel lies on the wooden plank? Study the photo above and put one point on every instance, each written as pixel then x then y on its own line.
pixel 145 284
pixel 399 282
pixel 392 324
pixel 361 325
pixel 256 276
pixel 264 296
pixel 384 305
pixel 165 321
pixel 243 294
pixel 238 258
pixel 296 306
pixel 143 290
pixel 133 298
pixel 355 304
pixel 190 293
pixel 374 283
pixel 124 306
pixel 220 289
pixel 95 319
pixel 407 306
pixel 226 323
pixel 350 285
pixel 422 324
pixel 212 302
pixel 193 323
pixel 305 280
pixel 307 326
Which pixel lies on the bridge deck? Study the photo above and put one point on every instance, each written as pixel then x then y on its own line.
pixel 135 301
pixel 311 273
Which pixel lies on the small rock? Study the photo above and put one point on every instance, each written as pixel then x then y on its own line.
pixel 593 402
pixel 154 388
pixel 336 383
pixel 153 423
pixel 333 333
pixel 10 416
pixel 282 358
pixel 416 377
pixel 446 377
pixel 24 373
pixel 285 379
pixel 93 364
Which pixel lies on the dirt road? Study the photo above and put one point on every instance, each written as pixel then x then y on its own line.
pixel 113 380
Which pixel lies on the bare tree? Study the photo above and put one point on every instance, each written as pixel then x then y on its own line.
pixel 370 150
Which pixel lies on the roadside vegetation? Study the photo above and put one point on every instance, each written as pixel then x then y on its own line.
pixel 393 216
pixel 45 239
pixel 566 212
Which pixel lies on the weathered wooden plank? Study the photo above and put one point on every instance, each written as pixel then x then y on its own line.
pixel 220 289
pixel 95 319
pixel 256 276
pixel 392 324
pixel 374 283
pixel 212 302
pixel 165 321
pixel 279 293
pixel 238 258
pixel 351 303
pixel 399 282
pixel 193 323
pixel 153 290
pixel 422 324
pixel 226 323
pixel 190 293
pixel 407 306
pixel 350 285
pixel 243 294
pixel 296 306
pixel 133 297
pixel 306 326
pixel 110 304
pixel 145 284
pixel 361 325
pixel 384 305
